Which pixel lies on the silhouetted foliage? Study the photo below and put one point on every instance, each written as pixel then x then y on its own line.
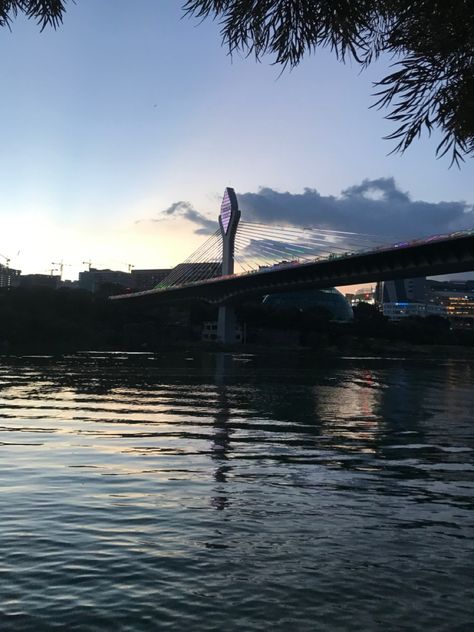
pixel 431 41
pixel 50 321
pixel 44 12
pixel 66 320
pixel 369 327
pixel 366 311
pixel 432 85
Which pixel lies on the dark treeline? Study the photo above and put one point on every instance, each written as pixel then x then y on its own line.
pixel 55 321
pixel 315 327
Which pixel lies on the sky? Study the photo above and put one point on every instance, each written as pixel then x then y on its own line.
pixel 118 116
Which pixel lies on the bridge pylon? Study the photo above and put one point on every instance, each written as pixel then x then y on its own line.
pixel 228 222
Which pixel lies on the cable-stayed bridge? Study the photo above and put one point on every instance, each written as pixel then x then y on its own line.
pixel 244 259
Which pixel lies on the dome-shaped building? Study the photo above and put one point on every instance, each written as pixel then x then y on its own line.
pixel 330 298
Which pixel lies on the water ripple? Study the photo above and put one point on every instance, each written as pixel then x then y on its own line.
pixel 143 492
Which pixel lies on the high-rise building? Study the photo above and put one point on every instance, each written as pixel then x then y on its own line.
pixel 148 279
pixel 401 291
pixel 457 297
pixel 8 276
pixel 402 298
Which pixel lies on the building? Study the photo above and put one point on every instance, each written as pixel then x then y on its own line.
pixel 192 271
pixel 330 299
pixel 435 285
pixel 459 306
pixel 401 291
pixel 95 280
pixel 362 295
pixel 404 298
pixel 399 310
pixel 30 281
pixel 457 297
pixel 70 285
pixel 148 279
pixel 8 276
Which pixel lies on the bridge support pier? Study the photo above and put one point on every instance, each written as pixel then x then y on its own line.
pixel 226 322
pixel 228 222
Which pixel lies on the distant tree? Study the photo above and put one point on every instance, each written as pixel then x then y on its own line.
pixel 366 312
pixel 430 41
pixel 45 12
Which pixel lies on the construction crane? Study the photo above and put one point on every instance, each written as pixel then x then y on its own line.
pixel 88 264
pixel 61 265
pixel 130 266
pixel 7 259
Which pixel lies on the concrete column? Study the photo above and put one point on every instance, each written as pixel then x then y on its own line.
pixel 228 222
pixel 226 322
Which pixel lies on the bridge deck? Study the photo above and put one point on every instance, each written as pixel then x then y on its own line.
pixel 437 255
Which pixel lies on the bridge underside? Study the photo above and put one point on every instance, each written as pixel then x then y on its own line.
pixel 443 256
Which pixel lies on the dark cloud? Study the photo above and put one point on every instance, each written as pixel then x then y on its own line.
pixel 186 210
pixel 375 207
pixel 176 208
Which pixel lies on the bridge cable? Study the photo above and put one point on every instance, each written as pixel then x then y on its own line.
pixel 312 240
pixel 177 271
pixel 205 268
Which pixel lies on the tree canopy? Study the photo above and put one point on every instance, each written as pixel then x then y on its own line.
pixel 431 43
pixel 45 12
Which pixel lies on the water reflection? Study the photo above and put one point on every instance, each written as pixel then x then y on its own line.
pixel 354 403
pixel 221 435
pixel 164 490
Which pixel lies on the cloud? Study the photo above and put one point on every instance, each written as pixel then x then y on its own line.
pixel 187 211
pixel 376 207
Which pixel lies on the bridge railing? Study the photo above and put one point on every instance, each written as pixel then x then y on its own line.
pixel 299 262
pixel 330 257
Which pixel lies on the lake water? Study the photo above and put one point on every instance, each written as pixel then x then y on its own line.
pixel 236 492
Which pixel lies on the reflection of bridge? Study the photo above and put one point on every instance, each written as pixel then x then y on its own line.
pixel 271 261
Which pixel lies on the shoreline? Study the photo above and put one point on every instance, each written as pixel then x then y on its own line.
pixel 361 348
